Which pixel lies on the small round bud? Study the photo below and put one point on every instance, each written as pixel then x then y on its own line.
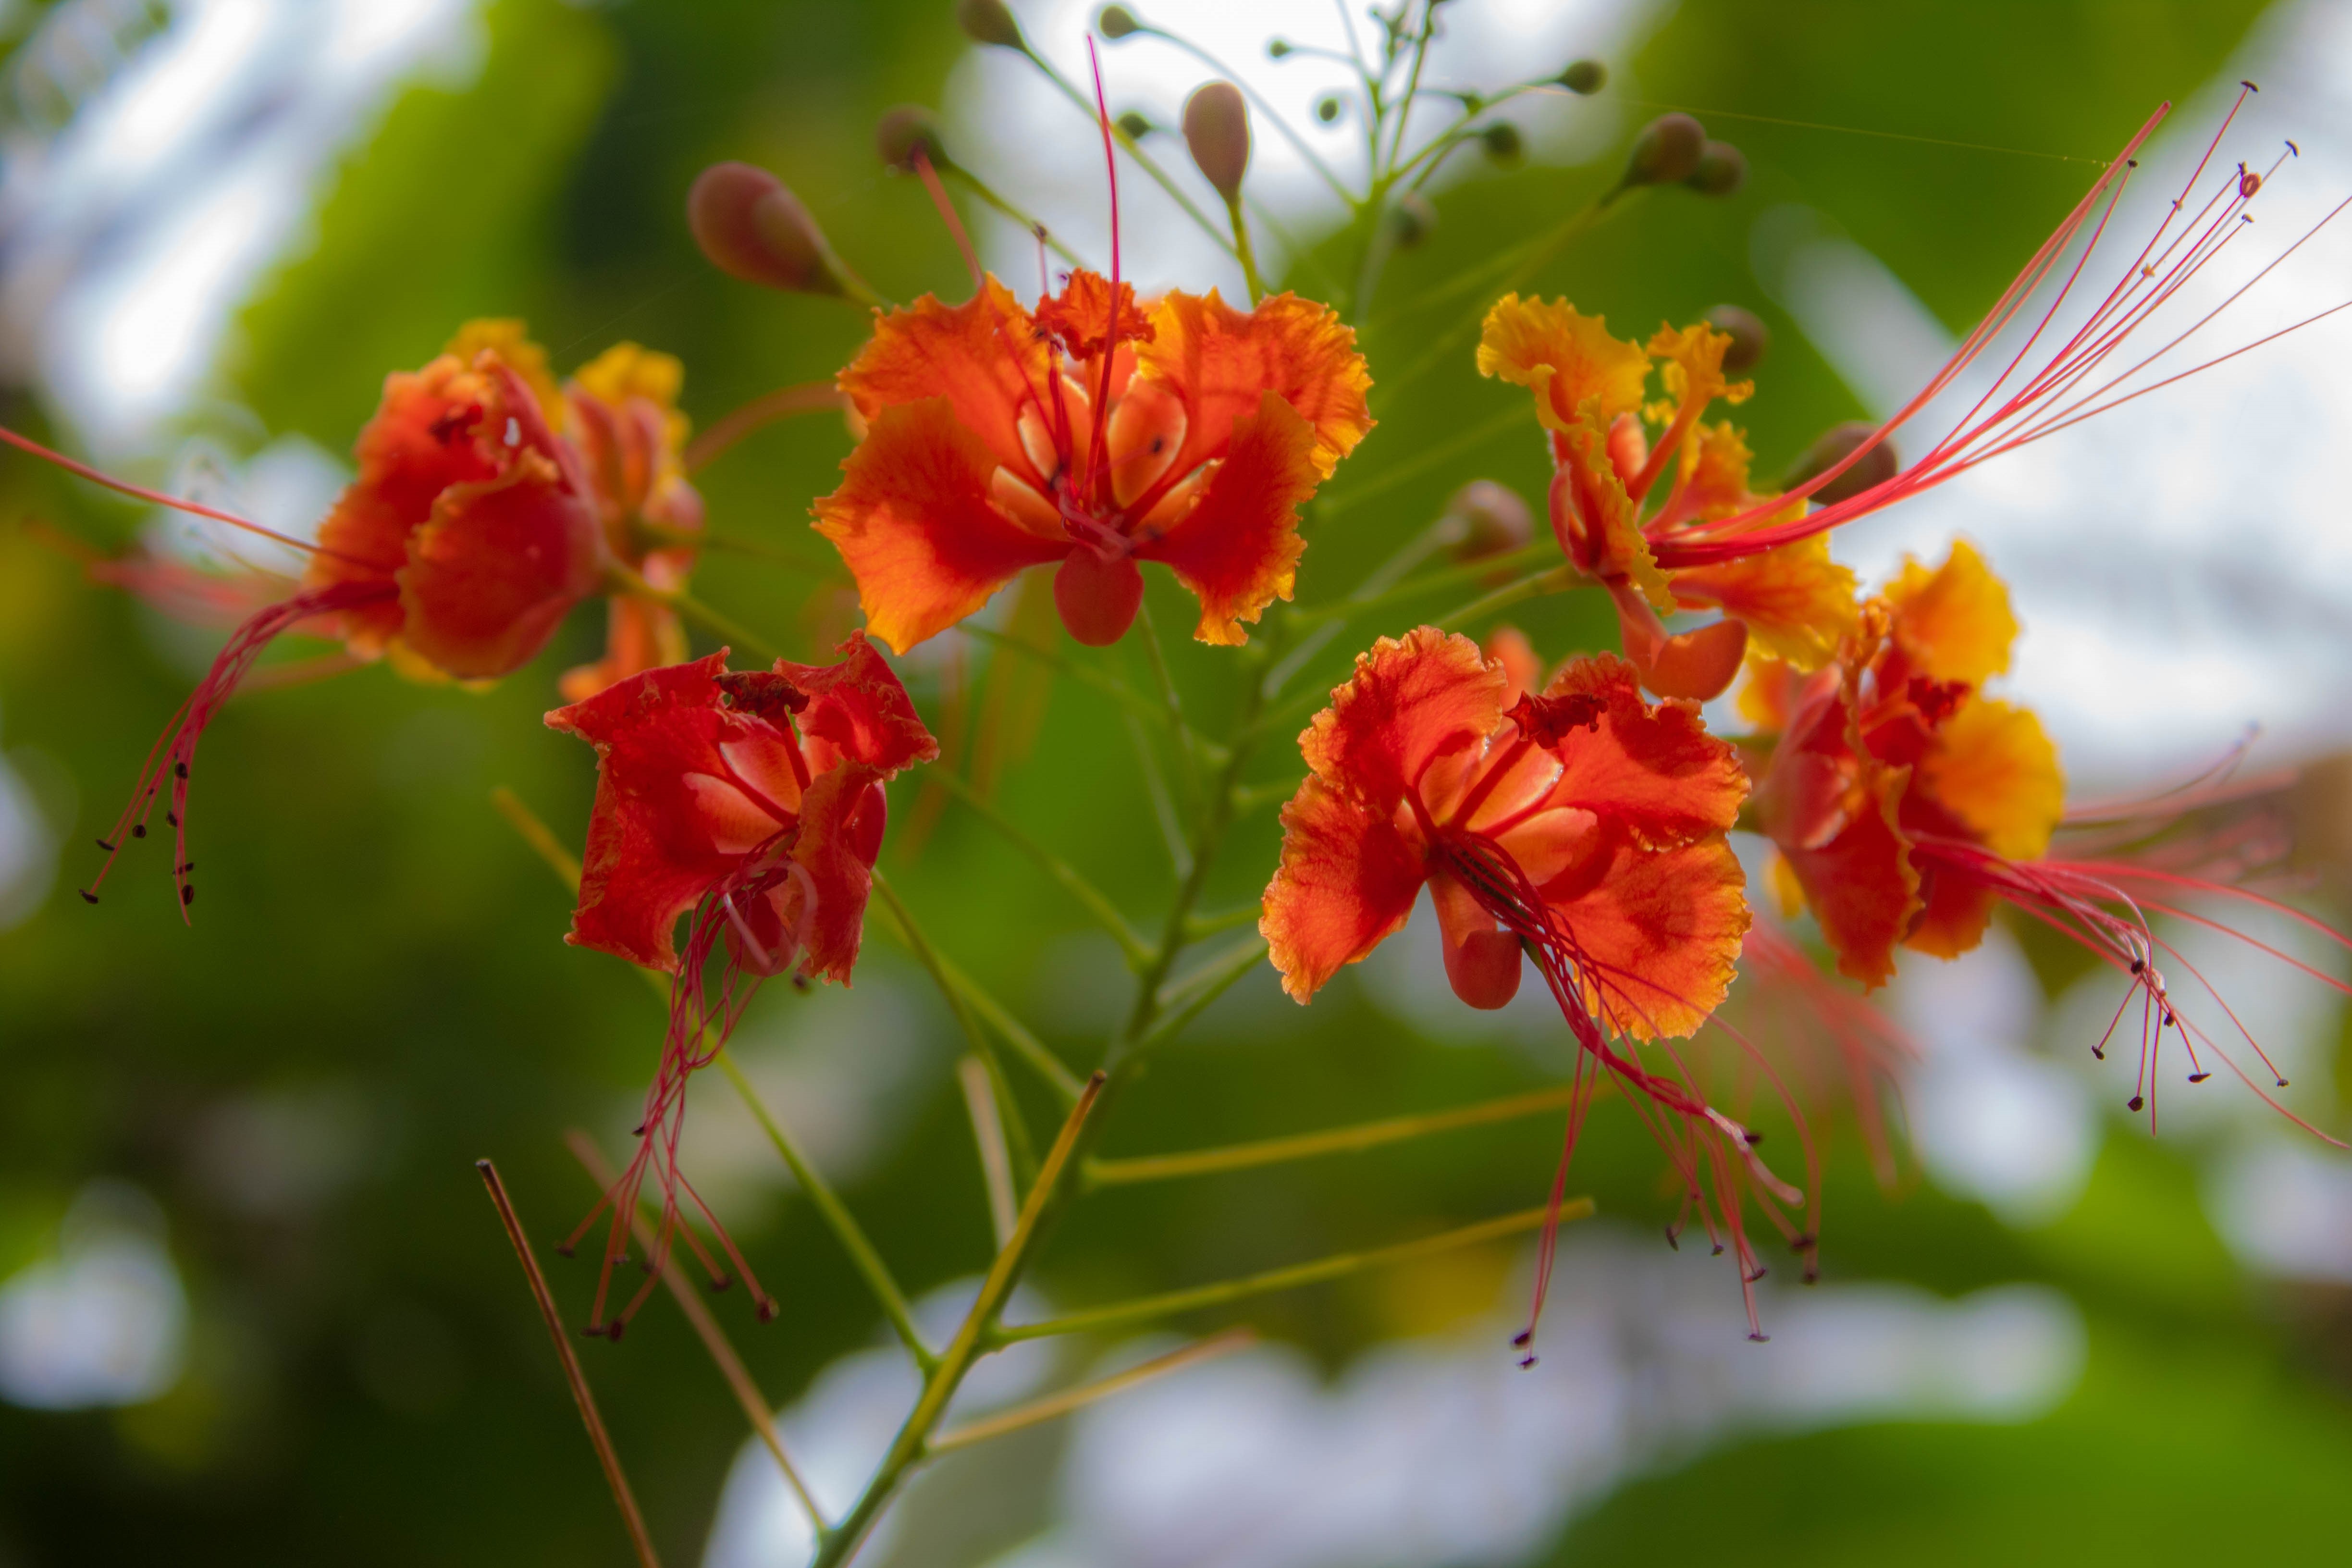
pixel 1216 129
pixel 1327 107
pixel 1410 220
pixel 1492 517
pixel 1667 149
pixel 1116 22
pixel 1877 466
pixel 753 227
pixel 1722 169
pixel 1276 48
pixel 1584 78
pixel 988 22
pixel 1749 337
pixel 904 130
pixel 1504 143
pixel 1135 125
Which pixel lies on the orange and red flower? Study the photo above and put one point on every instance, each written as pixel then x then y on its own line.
pixel 1589 388
pixel 1583 827
pixel 1097 433
pixel 755 802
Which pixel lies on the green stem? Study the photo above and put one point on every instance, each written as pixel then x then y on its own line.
pixel 1016 1131
pixel 971 1340
pixel 1126 1314
pixel 1243 252
pixel 1310 1145
pixel 1096 903
pixel 1202 926
pixel 1191 996
pixel 829 1208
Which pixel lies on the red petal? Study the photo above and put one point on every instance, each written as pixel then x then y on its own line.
pixel 836 837
pixel 496 568
pixel 1347 880
pixel 912 520
pixel 1238 549
pixel 1652 769
pixel 1408 703
pixel 858 709
pixel 1661 933
pixel 1220 362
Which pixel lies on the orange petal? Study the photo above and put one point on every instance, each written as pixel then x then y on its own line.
pixel 1238 549
pixel 1650 769
pixel 1993 766
pixel 983 357
pixel 1220 362
pixel 1565 358
pixel 1694 367
pixel 1794 600
pixel 1861 885
pixel 913 521
pixel 1596 520
pixel 1408 703
pixel 1953 914
pixel 1953 623
pixel 1660 932
pixel 1080 315
pixel 1347 881
pixel 1696 665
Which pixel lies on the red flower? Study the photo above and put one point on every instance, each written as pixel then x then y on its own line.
pixel 1584 827
pixel 755 802
pixel 1098 433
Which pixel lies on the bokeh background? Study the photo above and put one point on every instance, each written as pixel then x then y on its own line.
pixel 253 1307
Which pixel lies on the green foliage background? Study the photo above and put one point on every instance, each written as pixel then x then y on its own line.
pixel 369 927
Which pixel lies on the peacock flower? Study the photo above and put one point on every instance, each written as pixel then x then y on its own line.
pixel 753 803
pixel 1094 434
pixel 1583 827
pixel 625 422
pixel 1588 389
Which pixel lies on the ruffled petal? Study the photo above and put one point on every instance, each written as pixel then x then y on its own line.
pixel 1220 362
pixel 1408 703
pixel 1694 368
pixel 1238 549
pixel 857 710
pixel 1652 771
pixel 913 520
pixel 1992 765
pixel 1080 317
pixel 1595 519
pixel 510 340
pixel 983 356
pixel 1660 934
pixel 1346 882
pixel 1953 623
pixel 1794 600
pixel 1567 359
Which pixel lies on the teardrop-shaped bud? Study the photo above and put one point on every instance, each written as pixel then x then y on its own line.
pixel 1328 106
pixel 903 132
pixel 1410 220
pixel 1667 149
pixel 1876 466
pixel 988 22
pixel 1584 78
pixel 1504 143
pixel 1722 169
pixel 1493 521
pixel 1216 128
pixel 1098 597
pixel 753 227
pixel 1749 337
pixel 1117 22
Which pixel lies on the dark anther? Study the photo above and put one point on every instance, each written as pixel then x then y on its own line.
pixel 173 817
pixel 1718 1250
pixel 766 1310
pixel 87 896
pixel 564 1251
pixel 593 1330
pixel 187 895
pixel 2139 967
pixel 2250 87
pixel 613 1333
pixel 2171 1022
pixel 1523 1338
pixel 1754 1138
pixel 647 1264
pixel 179 770
pixel 2281 1083
pixel 1526 1364
pixel 1760 1274
pixel 186 866
pixel 638 1130
pixel 2099 1052
pixel 138 830
pixel 2297 150
pixel 1760 1338
pixel 1802 1240
pixel 722 1282
pixel 1672 1240
pixel 102 844
pixel 2134 1103
pixel 2131 163
pixel 1811 1276
pixel 2198 1076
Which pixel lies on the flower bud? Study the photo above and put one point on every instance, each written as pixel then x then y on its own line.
pixel 988 22
pixel 1584 78
pixel 905 129
pixel 1216 128
pixel 1116 22
pixel 1327 107
pixel 753 227
pixel 1667 149
pixel 1135 125
pixel 1493 520
pixel 1749 337
pixel 1277 48
pixel 1876 466
pixel 1410 219
pixel 1504 143
pixel 1722 169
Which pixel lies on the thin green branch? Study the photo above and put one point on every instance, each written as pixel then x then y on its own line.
pixel 1552 580
pixel 1070 1399
pixel 1128 1314
pixel 537 833
pixel 1332 1141
pixel 1200 927
pixel 1188 998
pixel 979 1088
pixel 606 1455
pixel 1089 897
pixel 837 1218
pixel 1017 1131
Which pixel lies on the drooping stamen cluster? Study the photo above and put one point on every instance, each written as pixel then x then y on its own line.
pixel 751 803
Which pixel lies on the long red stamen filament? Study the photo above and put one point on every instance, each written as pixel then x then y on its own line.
pixel 1111 341
pixel 939 194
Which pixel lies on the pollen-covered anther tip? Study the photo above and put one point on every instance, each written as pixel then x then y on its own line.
pixel 751 226
pixel 87 896
pixel 2134 1103
pixel 988 22
pixel 1217 133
